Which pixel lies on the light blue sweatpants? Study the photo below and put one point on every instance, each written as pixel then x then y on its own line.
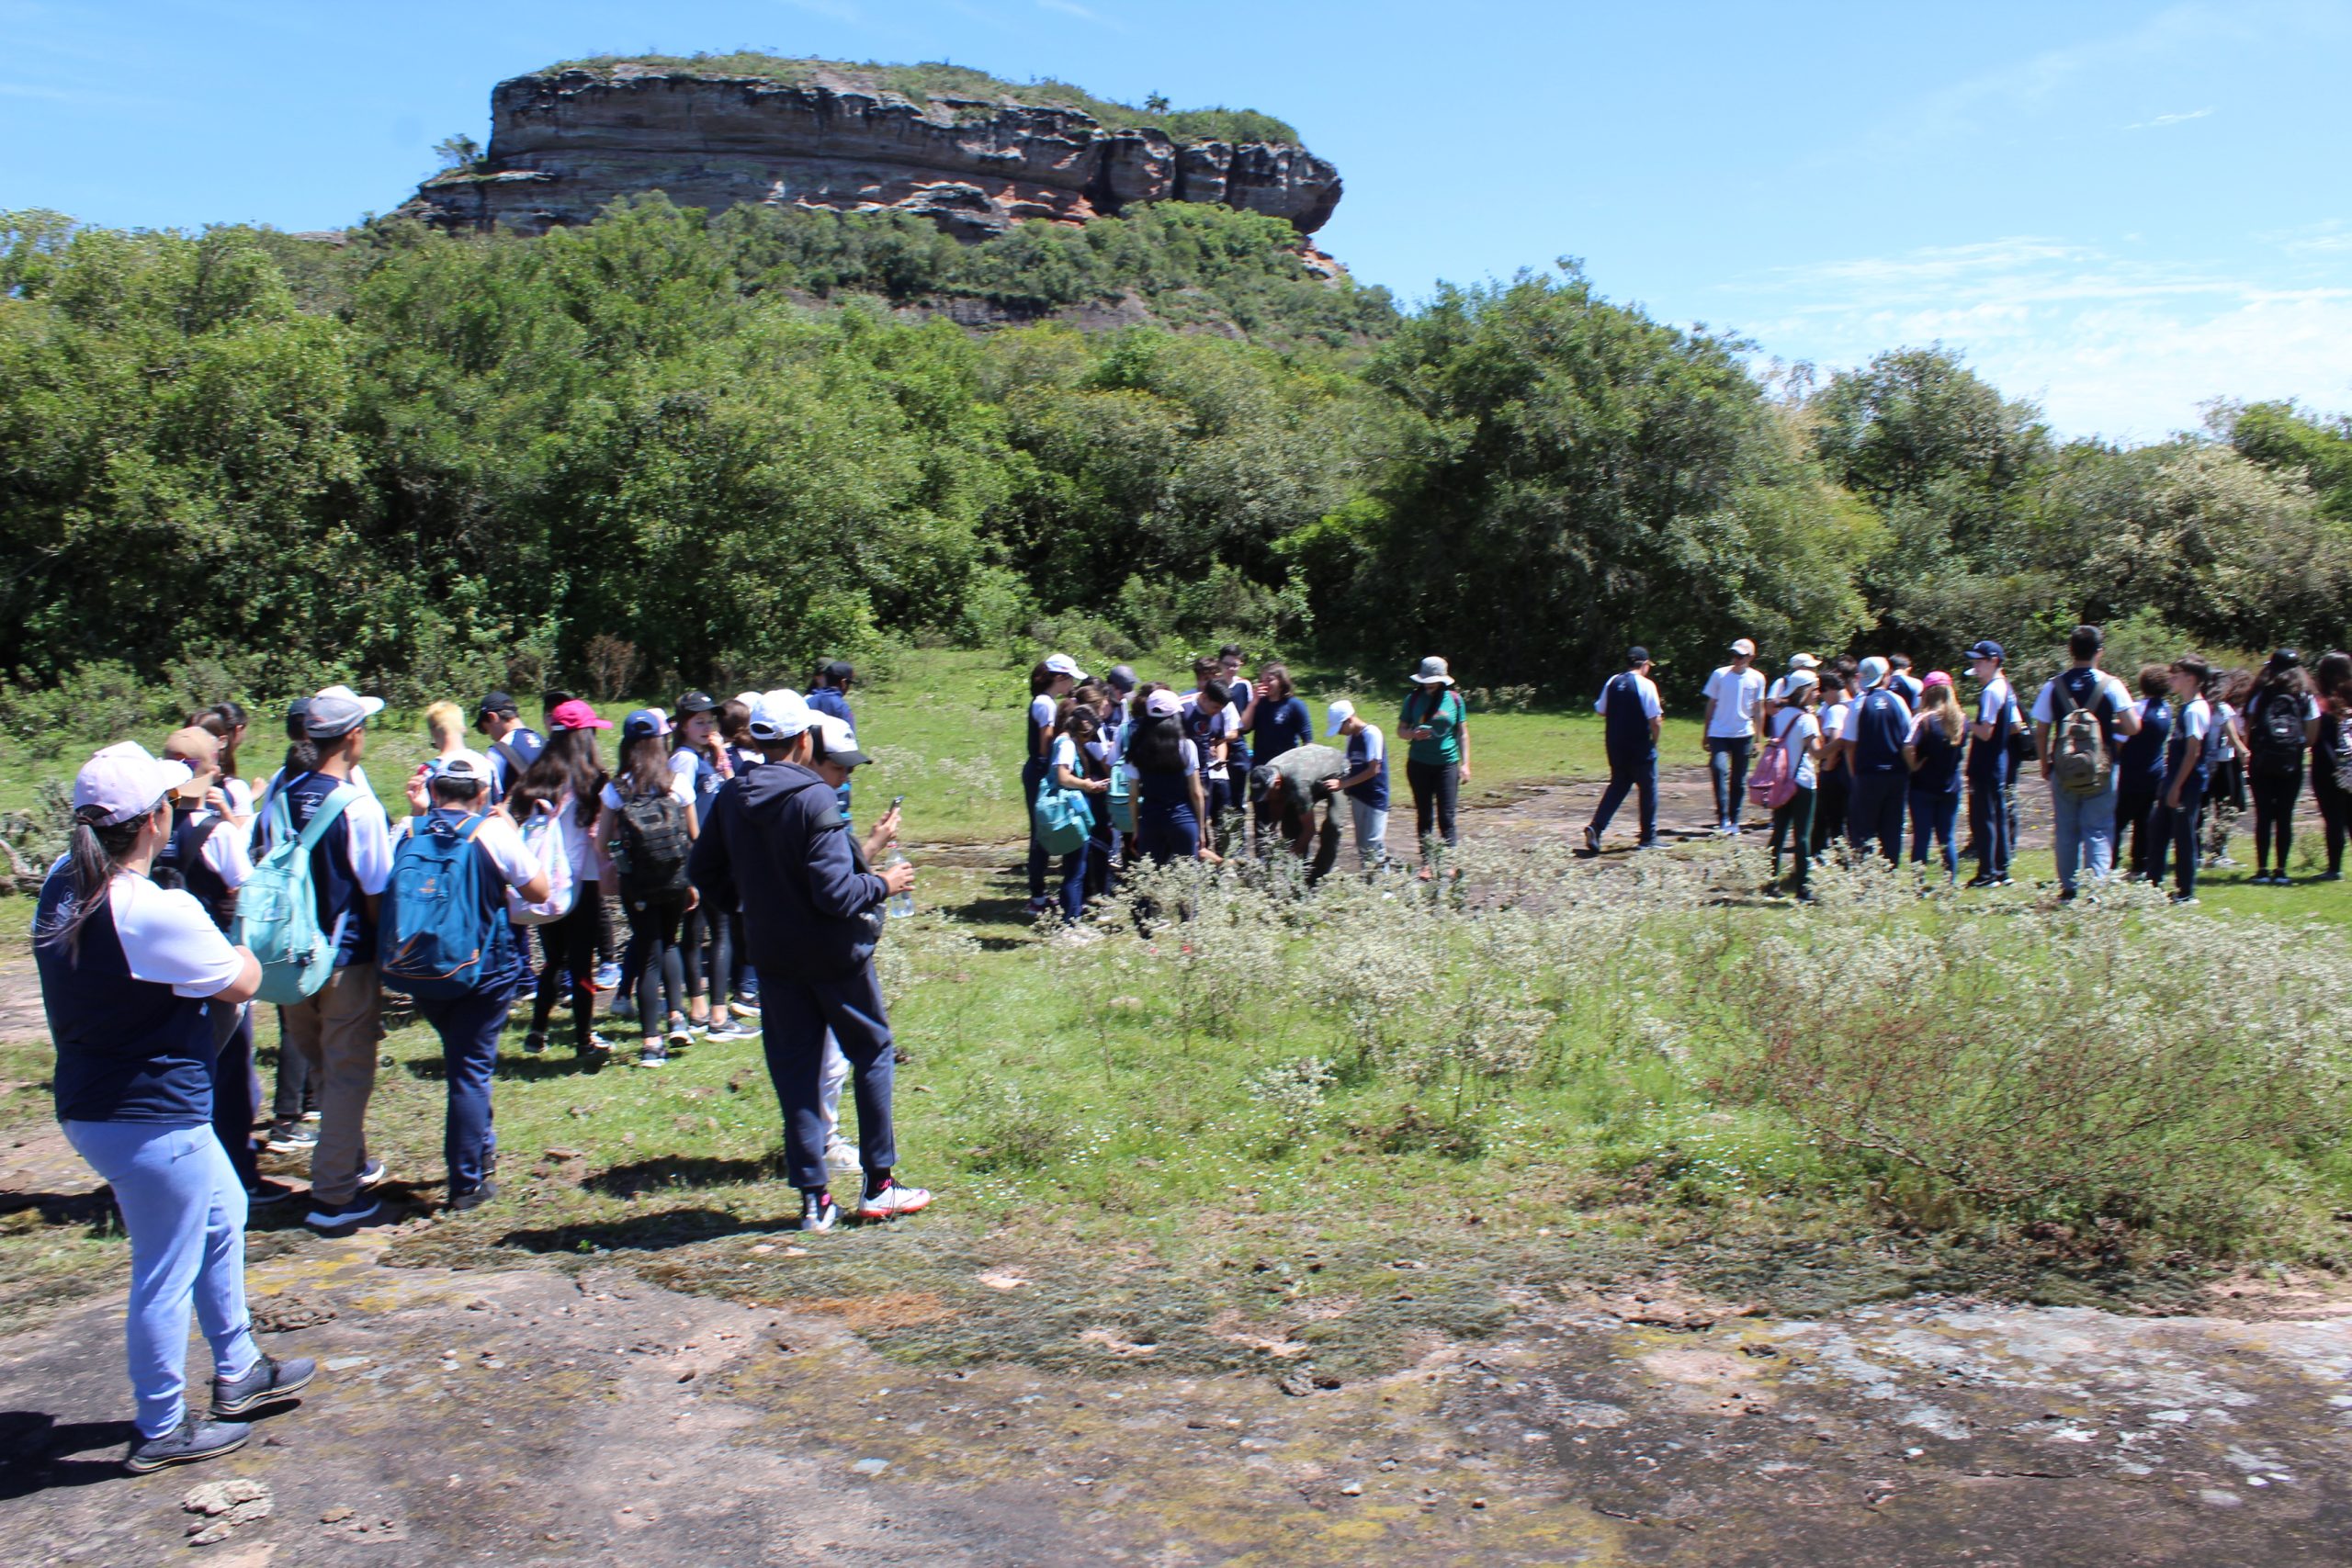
pixel 185 1208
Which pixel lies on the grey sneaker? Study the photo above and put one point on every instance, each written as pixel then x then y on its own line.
pixel 291 1138
pixel 819 1211
pixel 187 1443
pixel 270 1381
pixel 653 1055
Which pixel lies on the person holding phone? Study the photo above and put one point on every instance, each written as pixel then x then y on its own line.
pixel 1436 723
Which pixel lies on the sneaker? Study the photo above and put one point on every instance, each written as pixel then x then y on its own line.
pixel 1039 905
pixel 187 1443
pixel 729 1029
pixel 892 1201
pixel 360 1206
pixel 311 1114
pixel 819 1211
pixel 291 1138
pixel 269 1381
pixel 623 1007
pixel 598 1046
pixel 840 1156
pixel 697 1025
pixel 473 1197
pixel 535 1042
pixel 653 1055
pixel 2329 877
pixel 608 976
pixel 744 1009
pixel 1651 844
pixel 267 1194
pixel 680 1036
pixel 2224 860
pixel 2184 900
pixel 1591 840
pixel 372 1174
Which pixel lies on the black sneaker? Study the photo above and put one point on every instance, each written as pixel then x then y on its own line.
pixel 535 1042
pixel 187 1443
pixel 474 1198
pixel 360 1206
pixel 819 1211
pixel 1591 840
pixel 270 1381
pixel 291 1138
pixel 267 1194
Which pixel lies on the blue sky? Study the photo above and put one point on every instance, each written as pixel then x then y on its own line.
pixel 2118 210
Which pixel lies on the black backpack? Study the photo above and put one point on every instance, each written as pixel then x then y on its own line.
pixel 2275 744
pixel 650 849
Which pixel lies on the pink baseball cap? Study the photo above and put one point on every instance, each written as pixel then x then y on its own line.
pixel 1160 705
pixel 1936 678
pixel 577 715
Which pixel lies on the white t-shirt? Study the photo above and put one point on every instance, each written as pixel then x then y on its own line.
pixel 1375 746
pixel 1190 752
pixel 2226 745
pixel 370 838
pixel 1794 727
pixel 2045 706
pixel 225 851
pixel 168 939
pixel 682 785
pixel 1993 700
pixel 1651 707
pixel 2196 720
pixel 1833 721
pixel 1737 693
pixel 240 795
pixel 1041 712
pixel 1064 754
pixel 563 834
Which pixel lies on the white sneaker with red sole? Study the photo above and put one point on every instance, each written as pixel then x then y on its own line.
pixel 893 1201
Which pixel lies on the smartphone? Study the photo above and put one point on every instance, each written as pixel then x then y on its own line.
pixel 897 801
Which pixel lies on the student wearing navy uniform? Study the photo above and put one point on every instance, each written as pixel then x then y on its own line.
pixel 206 855
pixel 337 1029
pixel 1878 727
pixel 2280 724
pixel 1933 753
pixel 1631 717
pixel 1797 727
pixel 2188 764
pixel 1365 783
pixel 128 972
pixel 1991 766
pixel 514 745
pixel 469 1024
pixel 1049 683
pixel 2140 773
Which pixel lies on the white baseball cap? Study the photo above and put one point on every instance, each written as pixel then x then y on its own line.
pixel 837 742
pixel 749 699
pixel 472 766
pixel 1803 662
pixel 123 782
pixel 1063 664
pixel 1744 647
pixel 1338 713
pixel 779 716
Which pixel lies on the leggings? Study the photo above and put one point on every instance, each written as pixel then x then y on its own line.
pixel 1032 773
pixel 1437 788
pixel 2274 816
pixel 570 946
pixel 1829 810
pixel 608 945
pixel 2140 821
pixel 236 1089
pixel 1793 823
pixel 702 929
pixel 661 968
pixel 2335 810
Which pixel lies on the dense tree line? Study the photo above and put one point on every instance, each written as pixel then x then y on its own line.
pixel 721 446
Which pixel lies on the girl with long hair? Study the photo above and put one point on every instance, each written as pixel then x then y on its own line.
pixel 1939 737
pixel 1796 725
pixel 227 719
pixel 2280 722
pixel 2331 746
pixel 1075 728
pixel 655 914
pixel 698 750
pixel 1049 682
pixel 561 787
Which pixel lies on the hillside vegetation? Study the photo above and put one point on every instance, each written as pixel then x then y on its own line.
pixel 707 450
pixel 936 80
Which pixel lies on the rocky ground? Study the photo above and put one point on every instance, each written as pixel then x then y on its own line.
pixel 562 1409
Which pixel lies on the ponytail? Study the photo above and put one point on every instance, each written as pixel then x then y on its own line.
pixel 90 859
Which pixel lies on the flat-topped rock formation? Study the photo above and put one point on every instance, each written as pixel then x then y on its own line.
pixel 566 141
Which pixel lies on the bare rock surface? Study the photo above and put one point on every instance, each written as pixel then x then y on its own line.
pixel 563 143
pixel 532 1414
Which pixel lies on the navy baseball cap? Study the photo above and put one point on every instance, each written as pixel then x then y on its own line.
pixel 1986 649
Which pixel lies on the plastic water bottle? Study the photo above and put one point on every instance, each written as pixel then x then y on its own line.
pixel 902 904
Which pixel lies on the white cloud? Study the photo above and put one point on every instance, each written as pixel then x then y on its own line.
pixel 2107 344
pixel 1083 13
pixel 2165 119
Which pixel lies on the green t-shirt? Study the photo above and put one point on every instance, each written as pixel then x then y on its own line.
pixel 1445 714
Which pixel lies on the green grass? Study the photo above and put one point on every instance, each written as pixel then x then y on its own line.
pixel 937 80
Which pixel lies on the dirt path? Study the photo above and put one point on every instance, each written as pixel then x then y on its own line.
pixel 533 1415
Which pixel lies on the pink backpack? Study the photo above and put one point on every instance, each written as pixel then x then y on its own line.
pixel 1774 782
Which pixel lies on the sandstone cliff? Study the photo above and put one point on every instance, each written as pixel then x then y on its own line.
pixel 566 141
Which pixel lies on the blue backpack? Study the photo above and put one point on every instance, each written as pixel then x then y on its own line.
pixel 1062 817
pixel 442 935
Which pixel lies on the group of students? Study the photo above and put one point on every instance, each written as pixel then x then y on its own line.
pixel 1169 774
pixel 186 893
pixel 1855 749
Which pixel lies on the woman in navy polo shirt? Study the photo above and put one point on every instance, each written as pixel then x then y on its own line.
pixel 128 970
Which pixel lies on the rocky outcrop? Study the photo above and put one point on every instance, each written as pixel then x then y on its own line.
pixel 564 144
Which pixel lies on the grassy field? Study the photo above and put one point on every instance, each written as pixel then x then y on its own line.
pixel 1561 1069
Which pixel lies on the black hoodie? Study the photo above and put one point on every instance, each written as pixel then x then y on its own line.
pixel 777 843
